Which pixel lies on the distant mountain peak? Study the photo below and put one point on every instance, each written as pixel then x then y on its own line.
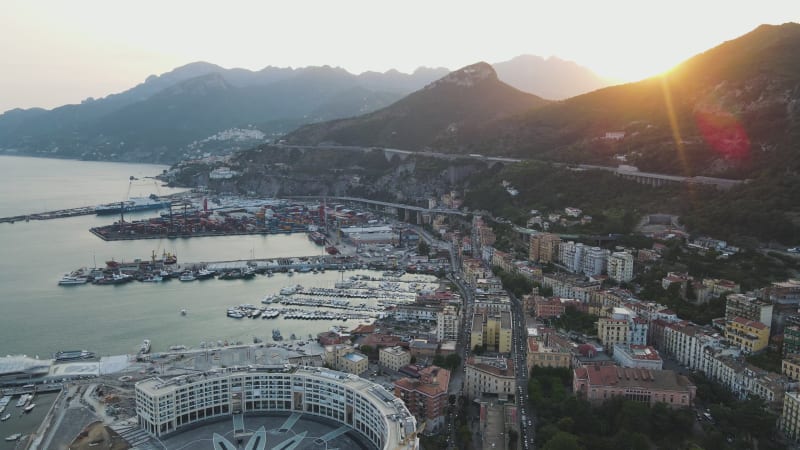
pixel 467 76
pixel 200 85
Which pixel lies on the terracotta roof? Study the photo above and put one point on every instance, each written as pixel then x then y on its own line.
pixel 632 377
pixel 750 323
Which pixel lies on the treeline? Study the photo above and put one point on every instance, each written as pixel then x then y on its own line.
pixel 764 209
pixel 567 422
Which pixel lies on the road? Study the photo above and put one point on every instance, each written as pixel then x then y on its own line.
pixel 519 341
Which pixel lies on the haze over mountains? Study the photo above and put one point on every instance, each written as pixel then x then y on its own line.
pixel 192 109
pixel 435 115
pixel 731 111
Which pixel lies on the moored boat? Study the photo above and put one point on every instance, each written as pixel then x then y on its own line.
pixel 71 280
pixel 132 204
pixel 276 335
pixel 204 274
pixel 145 348
pixel 29 408
pixel 187 276
pixel 67 355
pixel 4 418
pixel 22 400
pixel 14 437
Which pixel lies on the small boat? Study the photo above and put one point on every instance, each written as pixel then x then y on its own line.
pixel 145 348
pixel 29 408
pixel 183 311
pixel 14 437
pixel 204 274
pixel 187 276
pixel 22 400
pixel 4 418
pixel 116 278
pixel 155 278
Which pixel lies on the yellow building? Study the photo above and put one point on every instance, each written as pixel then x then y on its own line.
pixel 750 335
pixel 791 368
pixel 492 330
pixel 345 358
pixel 394 357
pixel 541 355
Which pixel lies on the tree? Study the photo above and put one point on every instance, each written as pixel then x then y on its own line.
pixel 452 361
pixel 423 248
pixel 563 441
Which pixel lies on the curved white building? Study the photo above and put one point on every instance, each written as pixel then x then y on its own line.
pixel 165 406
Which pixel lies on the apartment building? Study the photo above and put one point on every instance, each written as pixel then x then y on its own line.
pixel 394 357
pixel 448 324
pixel 620 267
pixel 544 248
pixel 426 396
pixel 492 376
pixel 750 335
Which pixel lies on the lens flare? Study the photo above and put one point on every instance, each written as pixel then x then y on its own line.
pixel 673 123
pixel 723 132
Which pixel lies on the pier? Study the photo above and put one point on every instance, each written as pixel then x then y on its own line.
pixel 58 214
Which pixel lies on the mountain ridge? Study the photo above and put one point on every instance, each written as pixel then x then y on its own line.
pixel 428 117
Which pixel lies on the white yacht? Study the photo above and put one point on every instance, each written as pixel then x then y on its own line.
pixel 187 276
pixel 70 280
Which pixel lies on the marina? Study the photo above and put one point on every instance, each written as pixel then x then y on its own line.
pixel 123 311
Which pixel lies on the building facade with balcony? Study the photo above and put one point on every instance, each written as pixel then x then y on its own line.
pixel 164 407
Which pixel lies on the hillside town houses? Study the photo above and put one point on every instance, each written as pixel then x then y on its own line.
pixel 638 333
pixel 624 356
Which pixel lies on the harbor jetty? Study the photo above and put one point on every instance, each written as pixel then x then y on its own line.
pixel 57 214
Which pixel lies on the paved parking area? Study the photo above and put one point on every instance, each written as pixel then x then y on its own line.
pixel 307 430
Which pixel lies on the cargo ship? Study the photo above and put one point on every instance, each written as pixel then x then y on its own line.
pixel 68 355
pixel 133 204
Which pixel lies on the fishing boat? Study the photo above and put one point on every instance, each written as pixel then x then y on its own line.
pixel 204 274
pixel 145 348
pixel 116 278
pixel 276 335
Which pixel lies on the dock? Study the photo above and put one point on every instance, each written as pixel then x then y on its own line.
pixel 57 214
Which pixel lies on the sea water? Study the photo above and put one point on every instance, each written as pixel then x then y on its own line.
pixel 38 317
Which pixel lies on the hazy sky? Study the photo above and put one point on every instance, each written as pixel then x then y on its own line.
pixel 54 52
